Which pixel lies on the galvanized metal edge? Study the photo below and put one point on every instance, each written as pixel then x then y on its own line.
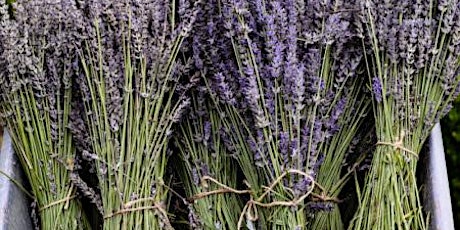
pixel 14 206
pixel 438 194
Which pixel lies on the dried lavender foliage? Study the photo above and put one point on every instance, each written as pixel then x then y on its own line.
pixel 131 98
pixel 36 56
pixel 413 53
pixel 203 154
pixel 282 74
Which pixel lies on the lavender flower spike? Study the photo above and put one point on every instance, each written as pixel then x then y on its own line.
pixel 377 89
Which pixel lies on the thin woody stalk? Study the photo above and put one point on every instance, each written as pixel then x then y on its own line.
pixel 35 96
pixel 397 184
pixel 129 86
pixel 413 68
pixel 205 161
pixel 58 206
pixel 282 99
pixel 331 175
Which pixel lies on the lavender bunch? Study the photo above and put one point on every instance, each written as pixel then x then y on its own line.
pixel 337 165
pixel 412 61
pixel 37 52
pixel 129 86
pixel 204 161
pixel 282 95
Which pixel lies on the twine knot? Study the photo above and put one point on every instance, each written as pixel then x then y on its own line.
pixel 250 209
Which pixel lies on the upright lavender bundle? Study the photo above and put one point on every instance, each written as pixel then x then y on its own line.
pixel 36 67
pixel 337 165
pixel 282 95
pixel 129 89
pixel 205 161
pixel 413 65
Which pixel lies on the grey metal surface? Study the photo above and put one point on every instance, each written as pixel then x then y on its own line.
pixel 14 206
pixel 437 197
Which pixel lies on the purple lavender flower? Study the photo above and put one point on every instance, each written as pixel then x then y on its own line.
pixel 377 89
pixel 284 147
pixel 224 89
pixel 302 186
pixel 193 218
pixel 332 123
pixel 207 133
pixel 321 206
pixel 195 176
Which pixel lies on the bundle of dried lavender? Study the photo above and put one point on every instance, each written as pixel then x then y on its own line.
pixel 282 95
pixel 337 166
pixel 205 161
pixel 128 84
pixel 413 67
pixel 36 64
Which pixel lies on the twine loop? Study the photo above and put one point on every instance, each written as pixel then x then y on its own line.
pixel 54 203
pixel 65 200
pixel 399 144
pixel 250 209
pixel 128 207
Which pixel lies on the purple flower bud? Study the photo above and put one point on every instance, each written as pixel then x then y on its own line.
pixel 284 146
pixel 195 176
pixel 377 89
pixel 207 132
pixel 321 206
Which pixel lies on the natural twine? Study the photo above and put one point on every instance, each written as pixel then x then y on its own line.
pixel 399 144
pixel 250 209
pixel 127 207
pixel 66 200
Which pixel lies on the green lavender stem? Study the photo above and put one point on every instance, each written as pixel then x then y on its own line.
pixel 390 199
pixel 216 210
pixel 43 159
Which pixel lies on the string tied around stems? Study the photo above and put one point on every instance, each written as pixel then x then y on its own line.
pixel 399 144
pixel 250 209
pixel 128 207
pixel 65 200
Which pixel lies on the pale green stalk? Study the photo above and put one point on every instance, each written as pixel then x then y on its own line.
pixel 37 119
pixel 214 210
pixel 282 209
pixel 41 157
pixel 132 188
pixel 390 198
pixel 331 173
